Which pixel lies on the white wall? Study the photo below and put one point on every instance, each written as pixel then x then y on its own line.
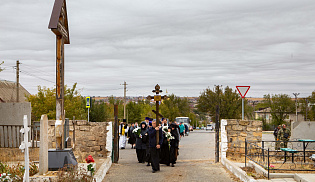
pixel 13 113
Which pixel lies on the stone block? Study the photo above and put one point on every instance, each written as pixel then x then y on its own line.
pixel 237 128
pixel 228 128
pixel 243 134
pixel 242 150
pixel 244 122
pixel 84 128
pixel 91 138
pixel 81 123
pixel 251 128
pixel 95 148
pixel 84 149
pixel 90 143
pixel 232 134
pixel 257 123
pixel 232 121
pixel 257 134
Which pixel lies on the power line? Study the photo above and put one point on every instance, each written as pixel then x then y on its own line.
pixel 30 74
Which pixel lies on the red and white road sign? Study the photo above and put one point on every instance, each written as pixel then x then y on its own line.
pixel 242 90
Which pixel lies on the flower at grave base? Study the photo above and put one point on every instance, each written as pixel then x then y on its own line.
pixel 271 166
pixel 89 159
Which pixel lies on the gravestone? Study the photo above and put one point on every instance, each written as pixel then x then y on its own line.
pixel 43 150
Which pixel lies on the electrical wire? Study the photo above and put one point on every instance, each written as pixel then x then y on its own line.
pixel 30 74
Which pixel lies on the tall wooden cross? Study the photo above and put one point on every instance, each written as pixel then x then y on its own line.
pixel 157 98
pixel 59 26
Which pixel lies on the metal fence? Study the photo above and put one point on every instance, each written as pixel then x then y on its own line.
pixel 296 156
pixel 10 136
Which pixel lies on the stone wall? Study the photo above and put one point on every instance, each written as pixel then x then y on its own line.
pixel 90 138
pixel 239 130
pixel 15 154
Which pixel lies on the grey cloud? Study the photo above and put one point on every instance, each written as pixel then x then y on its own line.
pixel 185 46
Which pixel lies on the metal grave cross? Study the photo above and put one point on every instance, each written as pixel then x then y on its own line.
pixel 157 98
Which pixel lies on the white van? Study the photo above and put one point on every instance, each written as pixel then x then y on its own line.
pixel 209 127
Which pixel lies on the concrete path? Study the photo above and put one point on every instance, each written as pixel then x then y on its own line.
pixel 195 163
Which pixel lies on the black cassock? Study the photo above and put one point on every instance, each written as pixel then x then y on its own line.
pixel 132 136
pixel 141 146
pixel 174 143
pixel 165 152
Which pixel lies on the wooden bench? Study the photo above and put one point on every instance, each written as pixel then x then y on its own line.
pixel 292 151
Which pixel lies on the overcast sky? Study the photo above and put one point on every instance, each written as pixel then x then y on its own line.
pixel 183 45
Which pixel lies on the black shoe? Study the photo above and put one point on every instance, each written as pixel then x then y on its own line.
pixel 122 147
pixel 153 171
pixel 168 164
pixel 173 165
pixel 148 164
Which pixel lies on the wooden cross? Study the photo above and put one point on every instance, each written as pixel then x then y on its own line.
pixel 59 26
pixel 157 98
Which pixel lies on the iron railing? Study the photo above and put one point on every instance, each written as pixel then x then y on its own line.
pixel 268 155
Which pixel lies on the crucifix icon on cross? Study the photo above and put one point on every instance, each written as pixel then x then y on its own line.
pixel 157 98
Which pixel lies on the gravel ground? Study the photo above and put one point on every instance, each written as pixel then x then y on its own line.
pixel 195 163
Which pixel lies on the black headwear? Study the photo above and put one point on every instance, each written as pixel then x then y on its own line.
pixel 145 125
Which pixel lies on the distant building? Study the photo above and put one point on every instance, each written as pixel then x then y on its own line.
pixel 266 115
pixel 8 92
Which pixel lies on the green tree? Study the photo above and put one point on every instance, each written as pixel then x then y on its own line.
pixel 112 101
pixel 0 67
pixel 309 104
pixel 134 112
pixel 229 102
pixel 174 107
pixel 44 102
pixel 99 112
pixel 280 105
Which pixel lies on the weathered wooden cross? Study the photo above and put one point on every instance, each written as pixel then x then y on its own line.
pixel 59 26
pixel 157 98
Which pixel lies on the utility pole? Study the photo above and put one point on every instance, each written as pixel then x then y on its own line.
pixel 254 102
pixel 306 108
pixel 217 125
pixel 116 138
pixel 296 115
pixel 17 79
pixel 125 90
pixel 217 140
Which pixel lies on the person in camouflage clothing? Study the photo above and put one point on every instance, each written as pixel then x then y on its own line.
pixel 284 136
pixel 275 133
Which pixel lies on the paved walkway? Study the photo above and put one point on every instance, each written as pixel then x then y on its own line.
pixel 195 163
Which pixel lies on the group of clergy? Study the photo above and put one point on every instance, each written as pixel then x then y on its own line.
pixel 147 148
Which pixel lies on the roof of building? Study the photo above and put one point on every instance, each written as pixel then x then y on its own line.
pixel 8 92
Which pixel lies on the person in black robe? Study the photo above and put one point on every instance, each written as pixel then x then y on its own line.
pixel 140 143
pixel 165 149
pixel 154 147
pixel 149 123
pixel 174 143
pixel 132 136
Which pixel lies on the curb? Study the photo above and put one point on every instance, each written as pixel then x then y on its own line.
pixel 101 173
pixel 238 172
